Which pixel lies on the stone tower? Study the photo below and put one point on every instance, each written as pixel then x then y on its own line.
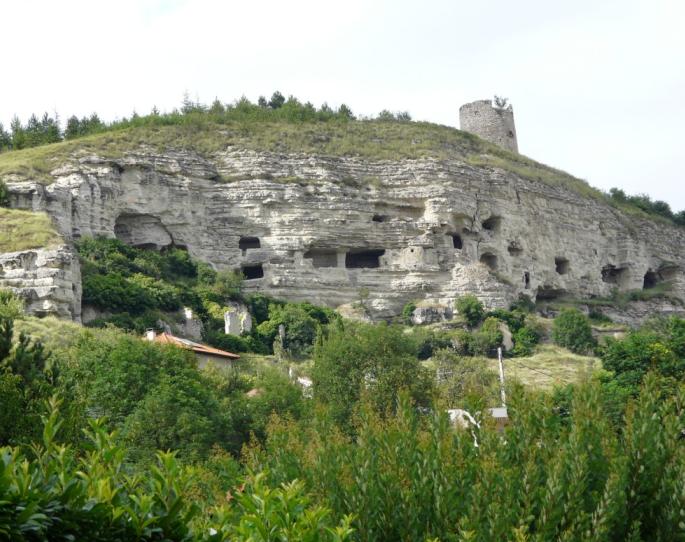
pixel 492 123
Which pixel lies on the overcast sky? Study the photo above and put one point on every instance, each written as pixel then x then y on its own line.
pixel 598 87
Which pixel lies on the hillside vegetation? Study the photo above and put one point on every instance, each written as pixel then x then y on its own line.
pixel 282 126
pixel 23 230
pixel 107 437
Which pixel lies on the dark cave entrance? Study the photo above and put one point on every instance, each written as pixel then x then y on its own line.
pixel 363 258
pixel 252 272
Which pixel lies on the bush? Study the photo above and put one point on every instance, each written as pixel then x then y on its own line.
pixel 486 340
pixel 408 312
pixel 471 309
pixel 572 330
pixel 659 349
pixel 525 340
pixel 11 306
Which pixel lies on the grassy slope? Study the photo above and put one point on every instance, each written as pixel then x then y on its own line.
pixel 23 230
pixel 549 365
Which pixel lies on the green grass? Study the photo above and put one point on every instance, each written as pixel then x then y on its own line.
pixel 23 230
pixel 56 334
pixel 550 365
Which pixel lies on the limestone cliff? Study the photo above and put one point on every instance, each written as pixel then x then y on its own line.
pixel 329 229
pixel 48 279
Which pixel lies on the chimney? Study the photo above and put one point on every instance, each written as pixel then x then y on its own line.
pixel 150 335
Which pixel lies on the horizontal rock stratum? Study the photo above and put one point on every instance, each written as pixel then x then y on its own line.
pixel 330 229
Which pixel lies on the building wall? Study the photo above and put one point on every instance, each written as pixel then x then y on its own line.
pixel 492 124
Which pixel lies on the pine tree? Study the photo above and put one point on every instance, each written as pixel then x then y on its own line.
pixel 5 138
pixel 18 134
pixel 73 128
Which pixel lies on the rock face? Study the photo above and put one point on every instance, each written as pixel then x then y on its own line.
pixel 49 280
pixel 335 230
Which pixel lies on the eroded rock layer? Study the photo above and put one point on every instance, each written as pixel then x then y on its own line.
pixel 48 280
pixel 339 230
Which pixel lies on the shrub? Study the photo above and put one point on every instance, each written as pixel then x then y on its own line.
pixel 471 309
pixel 644 350
pixel 525 340
pixel 487 338
pixel 408 312
pixel 572 330
pixel 11 306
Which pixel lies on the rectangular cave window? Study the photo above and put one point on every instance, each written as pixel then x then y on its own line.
pixel 253 271
pixel 379 218
pixel 548 293
pixel 363 259
pixel 322 258
pixel 456 240
pixel 246 243
pixel 614 275
pixel 561 265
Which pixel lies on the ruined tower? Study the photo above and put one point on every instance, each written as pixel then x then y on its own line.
pixel 492 123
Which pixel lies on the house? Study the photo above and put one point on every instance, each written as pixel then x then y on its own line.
pixel 204 354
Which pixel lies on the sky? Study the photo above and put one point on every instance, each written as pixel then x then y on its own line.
pixel 597 86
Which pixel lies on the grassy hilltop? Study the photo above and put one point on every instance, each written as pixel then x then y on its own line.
pixel 284 126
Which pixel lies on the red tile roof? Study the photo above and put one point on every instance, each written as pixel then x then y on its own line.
pixel 168 338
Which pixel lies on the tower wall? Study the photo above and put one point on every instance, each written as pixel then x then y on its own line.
pixel 491 123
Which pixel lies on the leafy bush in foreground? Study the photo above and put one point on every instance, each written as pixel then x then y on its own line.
pixel 546 478
pixel 50 494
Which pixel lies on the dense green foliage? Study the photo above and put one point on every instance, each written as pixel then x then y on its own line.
pixel 141 287
pixel 471 309
pixel 572 330
pixel 356 359
pixel 373 448
pixel 649 206
pixel 412 477
pixel 657 347
pixel 47 493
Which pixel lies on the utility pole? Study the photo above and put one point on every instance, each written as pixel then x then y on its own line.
pixel 501 376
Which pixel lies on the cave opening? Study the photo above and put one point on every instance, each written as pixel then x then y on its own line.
pixel 492 224
pixel 251 272
pixel 514 249
pixel 363 258
pixel 526 279
pixel 561 265
pixel 247 243
pixel 651 279
pixel 142 231
pixel 322 257
pixel 614 275
pixel 548 293
pixel 379 218
pixel 490 260
pixel 457 241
